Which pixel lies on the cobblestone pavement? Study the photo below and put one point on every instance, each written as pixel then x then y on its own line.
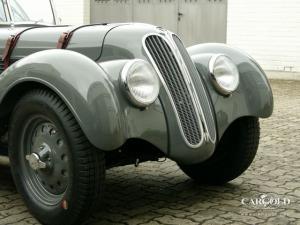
pixel 159 193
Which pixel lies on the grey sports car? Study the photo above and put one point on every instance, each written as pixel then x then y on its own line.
pixel 77 100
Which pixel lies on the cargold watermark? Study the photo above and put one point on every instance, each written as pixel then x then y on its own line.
pixel 266 201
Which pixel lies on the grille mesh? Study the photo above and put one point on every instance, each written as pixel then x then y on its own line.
pixel 206 107
pixel 168 66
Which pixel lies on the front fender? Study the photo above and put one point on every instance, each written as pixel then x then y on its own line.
pixel 252 98
pixel 91 92
pixel 81 84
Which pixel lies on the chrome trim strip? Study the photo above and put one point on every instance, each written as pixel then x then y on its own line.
pixel 195 95
pixel 55 19
pixel 188 81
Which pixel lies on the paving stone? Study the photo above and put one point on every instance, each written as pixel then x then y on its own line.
pixel 241 218
pixel 171 220
pixel 292 213
pixel 280 220
pixel 216 221
pixel 151 223
pixel 160 194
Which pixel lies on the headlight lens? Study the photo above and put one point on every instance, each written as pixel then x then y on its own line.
pixel 140 82
pixel 224 73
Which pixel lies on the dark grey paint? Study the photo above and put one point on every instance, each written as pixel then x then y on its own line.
pixel 94 99
pixel 86 40
pixel 130 47
pixel 254 94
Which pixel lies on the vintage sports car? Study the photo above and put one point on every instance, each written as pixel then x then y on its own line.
pixel 75 101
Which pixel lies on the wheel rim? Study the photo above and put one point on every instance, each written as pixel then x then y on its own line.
pixel 45 160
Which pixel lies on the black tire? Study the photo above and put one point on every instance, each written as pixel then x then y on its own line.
pixel 41 117
pixel 234 154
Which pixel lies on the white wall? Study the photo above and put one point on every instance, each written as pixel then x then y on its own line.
pixel 269 30
pixel 73 12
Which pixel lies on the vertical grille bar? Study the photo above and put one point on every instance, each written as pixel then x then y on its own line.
pixel 166 62
pixel 206 106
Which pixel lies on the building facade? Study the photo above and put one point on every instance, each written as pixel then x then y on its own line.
pixel 73 12
pixel 268 30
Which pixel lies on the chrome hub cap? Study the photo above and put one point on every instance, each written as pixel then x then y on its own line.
pixel 35 162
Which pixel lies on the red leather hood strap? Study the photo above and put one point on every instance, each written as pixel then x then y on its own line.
pixel 10 45
pixel 65 37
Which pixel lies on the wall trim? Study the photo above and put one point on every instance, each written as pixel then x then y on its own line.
pixel 282 75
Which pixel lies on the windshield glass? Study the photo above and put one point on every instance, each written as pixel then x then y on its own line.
pixel 2 13
pixel 37 11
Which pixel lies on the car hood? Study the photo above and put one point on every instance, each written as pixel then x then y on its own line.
pixel 87 40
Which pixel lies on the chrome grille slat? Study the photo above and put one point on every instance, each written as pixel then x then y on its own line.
pixel 173 77
pixel 176 71
pixel 206 106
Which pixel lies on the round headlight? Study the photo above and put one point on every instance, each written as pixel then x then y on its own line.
pixel 140 82
pixel 225 74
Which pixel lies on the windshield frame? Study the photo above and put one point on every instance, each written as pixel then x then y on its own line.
pixel 10 18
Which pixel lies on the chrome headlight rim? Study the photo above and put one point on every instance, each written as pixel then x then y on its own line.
pixel 125 75
pixel 221 89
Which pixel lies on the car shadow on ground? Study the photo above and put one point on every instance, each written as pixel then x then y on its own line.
pixel 5 175
pixel 158 193
pixel 138 194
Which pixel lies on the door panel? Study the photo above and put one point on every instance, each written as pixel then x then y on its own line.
pixel 103 11
pixel 158 12
pixel 202 21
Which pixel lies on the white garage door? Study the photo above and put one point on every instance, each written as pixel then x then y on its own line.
pixel 195 21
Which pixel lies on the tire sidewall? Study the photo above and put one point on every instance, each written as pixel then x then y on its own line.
pixel 234 154
pixel 29 106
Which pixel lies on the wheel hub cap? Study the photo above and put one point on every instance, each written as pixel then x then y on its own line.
pixel 35 162
pixel 47 158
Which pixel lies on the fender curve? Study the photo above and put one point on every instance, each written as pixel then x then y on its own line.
pixel 252 98
pixel 81 83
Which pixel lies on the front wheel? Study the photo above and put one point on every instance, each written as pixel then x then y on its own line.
pixel 55 168
pixel 234 154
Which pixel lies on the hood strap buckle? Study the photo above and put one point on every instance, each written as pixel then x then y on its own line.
pixel 10 46
pixel 65 37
